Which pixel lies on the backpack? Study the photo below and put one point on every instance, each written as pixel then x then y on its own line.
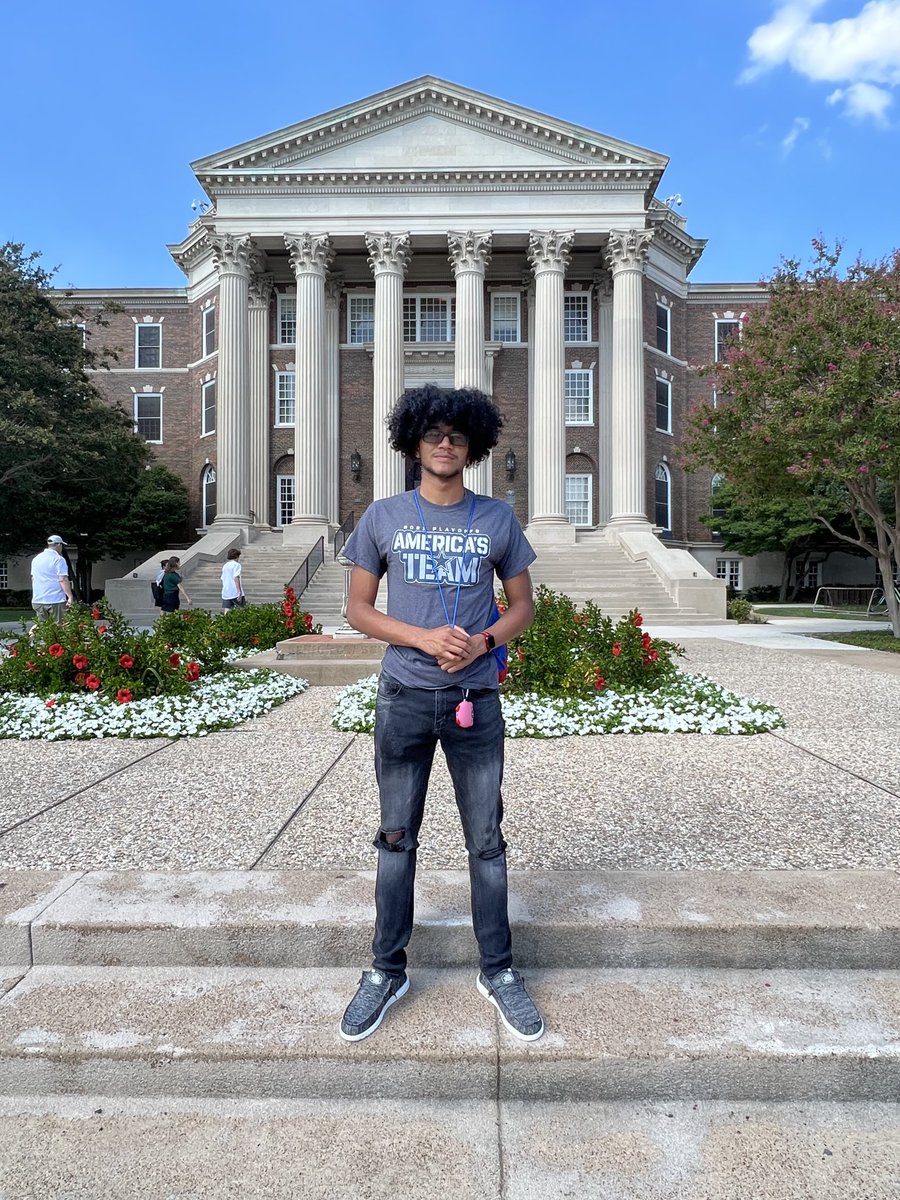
pixel 157 590
pixel 500 653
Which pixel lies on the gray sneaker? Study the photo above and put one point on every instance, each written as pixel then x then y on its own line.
pixel 518 1012
pixel 375 995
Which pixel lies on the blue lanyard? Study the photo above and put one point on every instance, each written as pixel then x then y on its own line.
pixel 430 547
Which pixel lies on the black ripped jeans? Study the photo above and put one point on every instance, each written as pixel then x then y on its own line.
pixel 409 722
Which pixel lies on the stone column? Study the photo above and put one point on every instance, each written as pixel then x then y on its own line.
pixel 333 286
pixel 311 255
pixel 469 255
pixel 548 254
pixel 389 255
pixel 603 285
pixel 232 257
pixel 627 253
pixel 260 380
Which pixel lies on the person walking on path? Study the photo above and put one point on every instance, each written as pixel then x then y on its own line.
pixel 232 584
pixel 172 587
pixel 51 590
pixel 441 547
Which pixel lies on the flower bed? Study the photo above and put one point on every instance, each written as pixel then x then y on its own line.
pixel 684 704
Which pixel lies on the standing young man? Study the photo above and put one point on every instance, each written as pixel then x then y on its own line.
pixel 441 547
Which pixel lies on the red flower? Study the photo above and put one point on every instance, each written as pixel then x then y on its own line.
pixel 14 651
pixel 653 656
pixel 95 613
pixel 289 624
pixel 174 661
pixel 308 622
pixel 617 649
pixel 56 650
pixel 637 620
pixel 254 640
pixel 127 662
pixel 193 672
pixel 287 608
pixel 80 678
pixel 290 594
pixel 92 682
pixel 124 696
pixel 31 666
pixel 101 629
pixel 520 654
pixel 50 702
pixel 79 662
pixel 599 683
pixel 645 641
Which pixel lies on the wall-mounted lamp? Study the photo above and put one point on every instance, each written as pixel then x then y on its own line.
pixel 510 464
pixel 355 465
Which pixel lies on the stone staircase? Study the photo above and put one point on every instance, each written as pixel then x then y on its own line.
pixel 266 566
pixel 595 569
pixel 720 1035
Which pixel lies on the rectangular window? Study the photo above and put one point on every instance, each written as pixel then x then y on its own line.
pixel 148 416
pixel 664 405
pixel 285 398
pixel 579 499
pixel 505 317
pixel 726 335
pixel 360 320
pixel 577 317
pixel 148 346
pixel 4 574
pixel 810 577
pixel 664 328
pixel 208 404
pixel 287 320
pixel 429 319
pixel 579 397
pixel 284 499
pixel 209 331
pixel 729 569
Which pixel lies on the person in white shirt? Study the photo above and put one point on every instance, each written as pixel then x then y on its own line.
pixel 232 587
pixel 51 591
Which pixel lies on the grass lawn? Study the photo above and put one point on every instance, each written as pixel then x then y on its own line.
pixel 788 611
pixel 16 614
pixel 869 639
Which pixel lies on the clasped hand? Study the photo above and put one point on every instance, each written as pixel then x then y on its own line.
pixel 452 647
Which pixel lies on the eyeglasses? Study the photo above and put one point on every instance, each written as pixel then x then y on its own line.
pixel 434 437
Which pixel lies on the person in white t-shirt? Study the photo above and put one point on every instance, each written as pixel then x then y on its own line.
pixel 232 587
pixel 51 591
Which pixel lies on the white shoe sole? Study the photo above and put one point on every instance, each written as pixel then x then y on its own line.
pixel 523 1037
pixel 358 1037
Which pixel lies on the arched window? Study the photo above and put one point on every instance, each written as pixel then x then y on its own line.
pixel 208 495
pixel 663 497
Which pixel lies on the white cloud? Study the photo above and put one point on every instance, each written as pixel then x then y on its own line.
pixel 860 52
pixel 800 125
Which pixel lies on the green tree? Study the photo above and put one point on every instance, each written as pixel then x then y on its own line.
pixel 69 462
pixel 812 403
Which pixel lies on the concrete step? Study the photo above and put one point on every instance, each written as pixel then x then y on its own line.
pixel 611 1035
pixel 121 1148
pixel 778 920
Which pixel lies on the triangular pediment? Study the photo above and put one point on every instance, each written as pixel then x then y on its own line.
pixel 429 125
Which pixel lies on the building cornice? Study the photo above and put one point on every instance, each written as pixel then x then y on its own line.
pixel 331 183
pixel 707 293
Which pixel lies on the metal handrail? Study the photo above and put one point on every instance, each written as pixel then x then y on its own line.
pixel 307 568
pixel 340 538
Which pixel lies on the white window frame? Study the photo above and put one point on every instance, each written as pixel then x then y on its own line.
pixel 570 374
pixel 354 321
pixel 585 502
pixel 812 574
pixel 448 298
pixel 732 571
pixel 667 384
pixel 586 297
pixel 138 396
pixel 285 496
pixel 282 387
pixel 139 325
pixel 205 427
pixel 4 575
pixel 207 479
pixel 208 334
pixel 495 330
pixel 663 475
pixel 660 307
pixel 283 320
pixel 725 321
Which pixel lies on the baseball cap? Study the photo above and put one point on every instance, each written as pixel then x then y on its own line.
pixel 55 540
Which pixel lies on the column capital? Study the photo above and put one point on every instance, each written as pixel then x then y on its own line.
pixel 627 249
pixel 469 251
pixel 389 253
pixel 261 285
pixel 232 255
pixel 549 251
pixel 334 285
pixel 310 253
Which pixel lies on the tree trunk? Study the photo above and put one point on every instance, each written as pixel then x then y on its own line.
pixel 886 567
pixel 787 563
pixel 799 575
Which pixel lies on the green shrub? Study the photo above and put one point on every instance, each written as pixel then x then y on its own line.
pixel 566 651
pixel 740 611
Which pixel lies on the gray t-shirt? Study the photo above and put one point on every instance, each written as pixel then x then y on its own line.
pixel 390 537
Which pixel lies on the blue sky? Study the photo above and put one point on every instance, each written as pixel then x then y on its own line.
pixel 780 117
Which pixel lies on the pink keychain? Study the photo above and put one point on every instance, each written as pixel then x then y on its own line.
pixel 465 713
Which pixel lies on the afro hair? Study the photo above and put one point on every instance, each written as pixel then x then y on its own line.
pixel 466 409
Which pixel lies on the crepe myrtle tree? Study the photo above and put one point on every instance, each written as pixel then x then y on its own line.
pixel 809 402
